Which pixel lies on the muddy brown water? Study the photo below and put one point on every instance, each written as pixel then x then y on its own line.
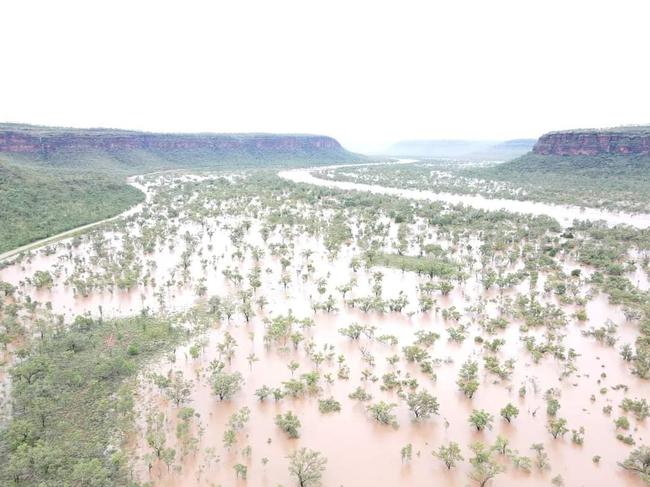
pixel 359 451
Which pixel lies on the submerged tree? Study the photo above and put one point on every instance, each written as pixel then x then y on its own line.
pixel 382 412
pixel 509 411
pixel 241 470
pixel 557 427
pixel 484 466
pixel 541 457
pixel 481 419
pixel 407 453
pixel 289 423
pixel 422 404
pixel 180 389
pixel 307 466
pixel 468 378
pixel 638 462
pixel 155 434
pixel 226 384
pixel 450 454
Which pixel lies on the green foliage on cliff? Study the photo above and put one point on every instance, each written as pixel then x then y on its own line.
pixel 627 166
pixel 139 161
pixel 73 404
pixel 38 202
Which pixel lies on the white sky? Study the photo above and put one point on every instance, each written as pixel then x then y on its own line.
pixel 366 72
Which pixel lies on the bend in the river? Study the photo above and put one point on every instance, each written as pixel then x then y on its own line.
pixel 564 214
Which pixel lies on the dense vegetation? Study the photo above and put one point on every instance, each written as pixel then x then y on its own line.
pixel 40 202
pixel 73 402
pixel 324 303
pixel 607 180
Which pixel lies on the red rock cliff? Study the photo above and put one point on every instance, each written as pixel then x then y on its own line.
pixel 45 140
pixel 625 140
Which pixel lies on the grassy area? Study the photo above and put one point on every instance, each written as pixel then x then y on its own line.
pixel 610 181
pixel 41 202
pixel 139 161
pixel 73 403
pixel 428 265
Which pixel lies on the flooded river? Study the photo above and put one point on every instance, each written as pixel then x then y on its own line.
pixel 564 214
pixel 359 451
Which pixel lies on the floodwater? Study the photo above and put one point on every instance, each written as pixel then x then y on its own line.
pixel 360 452
pixel 564 214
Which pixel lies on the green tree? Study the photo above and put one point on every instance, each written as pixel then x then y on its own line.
pixel 468 378
pixel 168 456
pixel 241 470
pixel 638 461
pixel 509 412
pixel 179 390
pixel 450 454
pixel 226 384
pixel 329 405
pixel 155 434
pixel 263 392
pixel 383 413
pixel 307 466
pixel 90 473
pixel 289 423
pixel 501 445
pixel 484 465
pixel 557 427
pixel 422 404
pixel 481 419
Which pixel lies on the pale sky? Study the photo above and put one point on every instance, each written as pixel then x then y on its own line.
pixel 366 72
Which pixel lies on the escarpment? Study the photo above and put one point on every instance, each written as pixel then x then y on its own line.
pixel 594 142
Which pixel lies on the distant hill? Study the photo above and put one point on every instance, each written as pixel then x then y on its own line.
pixel 504 151
pixel 631 140
pixel 607 168
pixel 462 149
pixel 133 152
pixel 622 151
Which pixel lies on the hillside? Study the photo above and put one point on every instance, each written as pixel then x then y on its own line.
pixel 54 179
pixel 462 149
pixel 589 167
pixel 133 152
pixel 38 203
pixel 632 140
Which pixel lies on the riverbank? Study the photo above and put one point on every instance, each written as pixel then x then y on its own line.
pixel 566 215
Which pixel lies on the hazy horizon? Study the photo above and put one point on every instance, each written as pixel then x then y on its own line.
pixel 368 73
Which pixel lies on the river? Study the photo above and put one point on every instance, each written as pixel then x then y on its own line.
pixel 566 215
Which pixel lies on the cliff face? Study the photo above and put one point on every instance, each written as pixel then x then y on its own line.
pixel 43 141
pixel 626 140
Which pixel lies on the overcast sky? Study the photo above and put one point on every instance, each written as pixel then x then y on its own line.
pixel 367 72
